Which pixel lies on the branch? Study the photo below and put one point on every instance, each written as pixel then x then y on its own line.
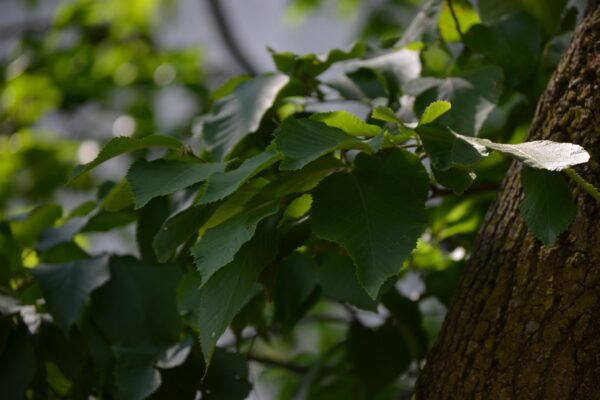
pixel 455 18
pixel 299 369
pixel 227 35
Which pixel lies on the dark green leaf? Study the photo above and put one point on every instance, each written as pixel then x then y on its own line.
pixel 27 229
pixel 227 377
pixel 135 375
pixel 337 277
pixel 240 113
pixel 215 305
pixel 179 228
pixel 387 356
pixel 17 364
pixel 377 212
pixel 456 179
pixel 220 244
pixel 296 281
pixel 150 220
pixel 473 95
pixel 303 140
pixel 162 177
pixel 222 184
pixel 447 149
pixel 311 64
pixel 66 287
pixel 150 317
pixel 547 206
pixel 122 144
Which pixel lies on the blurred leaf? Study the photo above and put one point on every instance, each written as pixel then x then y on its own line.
pixel 473 95
pixel 17 364
pixel 227 377
pixel 66 287
pixel 26 230
pixel 295 283
pixel 150 318
pixel 434 111
pixel 122 144
pixel 465 15
pixel 456 179
pixel 347 122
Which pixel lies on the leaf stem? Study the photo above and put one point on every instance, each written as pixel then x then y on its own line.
pixel 587 186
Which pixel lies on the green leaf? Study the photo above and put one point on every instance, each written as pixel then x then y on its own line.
pixel 547 206
pixel 301 180
pixel 123 144
pixel 222 184
pixel 337 277
pixel 386 114
pixel 540 154
pixel 434 111
pixel 119 197
pixel 162 177
pixel 387 356
pixel 423 27
pixel 473 95
pixel 447 149
pixel 150 317
pixel 150 220
pixel 179 228
pixel 135 375
pixel 220 244
pixel 17 364
pixel 347 122
pixel 66 287
pixel 295 283
pixel 303 140
pixel 465 15
pixel 219 300
pixel 26 230
pixel 311 64
pixel 456 179
pixel 227 377
pixel 240 113
pixel 376 213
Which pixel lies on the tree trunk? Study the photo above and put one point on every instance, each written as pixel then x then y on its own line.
pixel 525 320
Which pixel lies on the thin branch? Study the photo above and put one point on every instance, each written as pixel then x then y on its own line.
pixel 585 185
pixel 227 35
pixel 299 369
pixel 455 18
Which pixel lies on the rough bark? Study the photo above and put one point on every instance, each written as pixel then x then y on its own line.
pixel 525 320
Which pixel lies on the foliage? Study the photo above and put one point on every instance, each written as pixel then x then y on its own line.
pixel 319 243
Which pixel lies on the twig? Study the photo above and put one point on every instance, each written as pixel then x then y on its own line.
pixel 227 35
pixel 455 18
pixel 299 369
pixel 585 185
